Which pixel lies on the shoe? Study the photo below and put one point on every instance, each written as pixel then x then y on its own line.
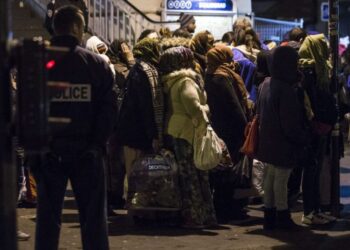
pixel 285 222
pixel 269 218
pixel 314 219
pixel 22 236
pixel 328 217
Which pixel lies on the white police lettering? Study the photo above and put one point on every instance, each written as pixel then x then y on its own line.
pixel 73 93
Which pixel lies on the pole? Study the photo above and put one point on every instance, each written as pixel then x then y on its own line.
pixel 8 238
pixel 333 26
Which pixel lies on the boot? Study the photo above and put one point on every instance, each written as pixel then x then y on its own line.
pixel 269 218
pixel 284 220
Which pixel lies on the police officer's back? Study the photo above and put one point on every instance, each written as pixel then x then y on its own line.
pixel 76 150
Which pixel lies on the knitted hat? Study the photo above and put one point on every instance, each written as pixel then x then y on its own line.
pixel 185 19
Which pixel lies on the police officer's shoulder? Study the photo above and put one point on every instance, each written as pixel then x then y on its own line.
pixel 91 57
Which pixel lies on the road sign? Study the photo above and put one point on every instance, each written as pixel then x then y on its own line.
pixel 324 12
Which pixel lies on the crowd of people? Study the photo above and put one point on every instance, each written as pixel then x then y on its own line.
pixel 170 84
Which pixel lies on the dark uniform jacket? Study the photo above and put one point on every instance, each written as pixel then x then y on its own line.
pixel 89 102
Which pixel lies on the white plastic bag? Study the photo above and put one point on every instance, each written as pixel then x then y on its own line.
pixel 207 150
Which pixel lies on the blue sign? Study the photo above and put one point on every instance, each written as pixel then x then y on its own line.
pixel 324 12
pixel 199 5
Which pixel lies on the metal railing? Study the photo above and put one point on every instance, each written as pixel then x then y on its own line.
pixel 120 19
pixel 271 29
pixel 113 19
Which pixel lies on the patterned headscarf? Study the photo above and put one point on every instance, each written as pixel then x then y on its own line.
pixel 176 58
pixel 314 53
pixel 148 50
pixel 220 62
pixel 202 42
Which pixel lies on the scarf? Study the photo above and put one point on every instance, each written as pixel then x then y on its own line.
pixel 200 44
pixel 147 50
pixel 314 53
pixel 220 62
pixel 176 58
pixel 157 96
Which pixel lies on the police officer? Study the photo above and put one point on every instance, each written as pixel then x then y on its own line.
pixel 54 5
pixel 76 150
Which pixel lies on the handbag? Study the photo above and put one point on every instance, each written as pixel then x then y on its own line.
pixel 241 174
pixel 251 131
pixel 207 149
pixel 232 176
pixel 250 145
pixel 207 146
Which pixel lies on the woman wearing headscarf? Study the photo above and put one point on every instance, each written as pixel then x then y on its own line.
pixel 122 59
pixel 95 45
pixel 140 123
pixel 227 98
pixel 314 63
pixel 201 43
pixel 281 135
pixel 186 104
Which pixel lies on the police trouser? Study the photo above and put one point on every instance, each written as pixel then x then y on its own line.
pixel 86 174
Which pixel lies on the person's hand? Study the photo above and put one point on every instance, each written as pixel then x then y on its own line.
pixel 127 54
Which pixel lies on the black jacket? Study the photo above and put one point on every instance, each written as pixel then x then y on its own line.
pixel 136 124
pixel 89 102
pixel 281 130
pixel 227 116
pixel 281 133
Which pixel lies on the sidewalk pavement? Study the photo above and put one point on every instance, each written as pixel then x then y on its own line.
pixel 243 235
pixel 240 235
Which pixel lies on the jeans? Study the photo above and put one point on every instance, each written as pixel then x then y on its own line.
pixel 86 174
pixel 276 187
pixel 311 177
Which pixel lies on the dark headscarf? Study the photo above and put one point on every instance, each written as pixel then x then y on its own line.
pixel 176 58
pixel 220 62
pixel 115 53
pixel 262 66
pixel 148 50
pixel 285 64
